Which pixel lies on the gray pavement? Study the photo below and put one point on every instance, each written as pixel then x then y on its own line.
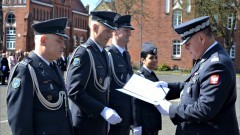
pixel 167 129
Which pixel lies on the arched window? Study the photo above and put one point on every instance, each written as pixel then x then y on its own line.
pixel 19 1
pixel 10 18
pixel 177 17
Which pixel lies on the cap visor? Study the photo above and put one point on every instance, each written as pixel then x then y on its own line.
pixel 130 27
pixel 109 26
pixel 62 35
pixel 184 41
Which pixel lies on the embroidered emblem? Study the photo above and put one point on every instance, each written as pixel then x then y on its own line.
pixel 214 79
pixel 214 59
pixel 16 83
pixel 76 62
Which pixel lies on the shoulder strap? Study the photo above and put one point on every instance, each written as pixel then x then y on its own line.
pixel 25 62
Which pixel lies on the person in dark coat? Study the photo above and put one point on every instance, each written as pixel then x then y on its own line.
pixel 88 79
pixel 62 63
pixel 208 94
pixel 121 72
pixel 147 119
pixel 37 99
pixel 4 68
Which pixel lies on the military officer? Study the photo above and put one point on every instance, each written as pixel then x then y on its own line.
pixel 88 79
pixel 121 72
pixel 208 94
pixel 37 98
pixel 147 119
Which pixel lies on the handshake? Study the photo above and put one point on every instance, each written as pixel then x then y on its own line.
pixel 164 105
pixel 111 116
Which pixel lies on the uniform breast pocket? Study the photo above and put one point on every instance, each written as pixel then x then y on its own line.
pixel 101 74
pixel 120 69
pixel 49 91
pixel 187 96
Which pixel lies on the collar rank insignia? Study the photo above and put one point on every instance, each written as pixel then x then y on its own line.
pixel 76 62
pixel 214 79
pixel 16 83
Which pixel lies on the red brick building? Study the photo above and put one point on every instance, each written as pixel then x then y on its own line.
pixel 158 28
pixel 19 15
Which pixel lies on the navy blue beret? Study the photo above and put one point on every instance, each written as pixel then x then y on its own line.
pixel 188 29
pixel 124 22
pixel 53 26
pixel 106 18
pixel 149 48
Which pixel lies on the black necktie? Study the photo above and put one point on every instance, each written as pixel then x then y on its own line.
pixel 125 57
pixel 52 66
pixel 154 75
pixel 127 61
pixel 104 55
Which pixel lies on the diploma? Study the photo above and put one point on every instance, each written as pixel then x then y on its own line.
pixel 144 89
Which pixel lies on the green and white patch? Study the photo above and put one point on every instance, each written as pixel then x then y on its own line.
pixel 16 82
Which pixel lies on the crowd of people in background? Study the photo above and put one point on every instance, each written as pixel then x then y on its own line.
pixel 7 61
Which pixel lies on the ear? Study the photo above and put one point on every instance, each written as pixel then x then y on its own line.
pixel 43 39
pixel 95 27
pixel 142 59
pixel 202 38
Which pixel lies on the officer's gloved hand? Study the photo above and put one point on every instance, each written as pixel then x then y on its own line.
pixel 161 83
pixel 163 107
pixel 137 130
pixel 111 116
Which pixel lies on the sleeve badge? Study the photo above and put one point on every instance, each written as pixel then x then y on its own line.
pixel 76 62
pixel 16 82
pixel 214 79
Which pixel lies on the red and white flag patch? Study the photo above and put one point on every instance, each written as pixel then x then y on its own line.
pixel 214 79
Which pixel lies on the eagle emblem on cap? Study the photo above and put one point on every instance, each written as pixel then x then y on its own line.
pixel 116 17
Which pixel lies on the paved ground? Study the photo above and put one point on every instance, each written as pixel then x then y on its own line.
pixel 168 127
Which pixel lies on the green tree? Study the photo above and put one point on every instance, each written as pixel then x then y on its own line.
pixel 223 17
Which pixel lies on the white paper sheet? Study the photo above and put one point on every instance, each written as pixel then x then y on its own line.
pixel 144 89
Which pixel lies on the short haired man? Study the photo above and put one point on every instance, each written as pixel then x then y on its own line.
pixel 207 105
pixel 37 98
pixel 121 72
pixel 88 79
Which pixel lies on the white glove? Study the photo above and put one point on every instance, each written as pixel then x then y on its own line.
pixel 111 116
pixel 161 83
pixel 137 130
pixel 163 107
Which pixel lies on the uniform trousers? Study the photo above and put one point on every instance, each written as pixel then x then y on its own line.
pixel 119 130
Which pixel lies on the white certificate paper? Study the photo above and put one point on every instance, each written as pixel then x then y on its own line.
pixel 144 89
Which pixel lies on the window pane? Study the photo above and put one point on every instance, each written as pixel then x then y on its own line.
pixel 176 49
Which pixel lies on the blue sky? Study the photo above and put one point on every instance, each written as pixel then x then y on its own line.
pixel 92 3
